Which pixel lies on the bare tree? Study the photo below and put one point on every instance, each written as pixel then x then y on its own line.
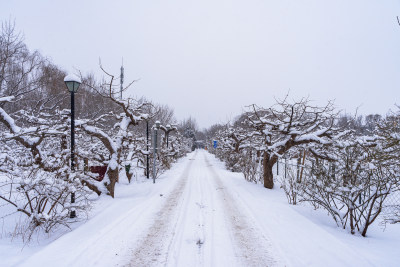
pixel 131 114
pixel 287 125
pixel 19 69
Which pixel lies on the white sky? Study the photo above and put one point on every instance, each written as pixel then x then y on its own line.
pixel 210 58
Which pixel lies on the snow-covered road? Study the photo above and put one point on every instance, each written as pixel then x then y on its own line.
pixel 200 225
pixel 200 214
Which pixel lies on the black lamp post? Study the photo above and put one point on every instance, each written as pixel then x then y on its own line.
pixel 168 130
pixel 72 82
pixel 147 145
pixel 155 149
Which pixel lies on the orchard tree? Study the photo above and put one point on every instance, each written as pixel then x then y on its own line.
pixel 287 125
pixel 131 114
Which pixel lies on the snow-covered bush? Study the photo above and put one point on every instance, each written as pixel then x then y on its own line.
pixel 229 150
pixel 388 131
pixel 353 186
pixel 44 198
pixel 292 180
pixel 35 175
pixel 178 146
pixel 251 166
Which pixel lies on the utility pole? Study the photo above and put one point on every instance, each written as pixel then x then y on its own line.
pixel 122 77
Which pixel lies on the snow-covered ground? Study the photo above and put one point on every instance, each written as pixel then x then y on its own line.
pixel 199 214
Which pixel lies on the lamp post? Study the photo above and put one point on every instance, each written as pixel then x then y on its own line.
pixel 168 130
pixel 72 82
pixel 156 127
pixel 147 145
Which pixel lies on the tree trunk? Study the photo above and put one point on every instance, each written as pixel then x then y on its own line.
pixel 113 176
pixel 267 174
pixel 129 176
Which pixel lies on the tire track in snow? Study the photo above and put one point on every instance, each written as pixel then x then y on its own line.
pixel 201 232
pixel 187 242
pixel 201 237
pixel 152 249
pixel 178 234
pixel 251 246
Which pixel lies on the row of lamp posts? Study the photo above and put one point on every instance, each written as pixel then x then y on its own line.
pixel 72 82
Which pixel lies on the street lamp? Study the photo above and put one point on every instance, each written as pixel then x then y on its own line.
pixel 156 127
pixel 168 129
pixel 72 82
pixel 147 146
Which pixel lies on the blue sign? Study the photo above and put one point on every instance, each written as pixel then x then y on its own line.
pixel 215 144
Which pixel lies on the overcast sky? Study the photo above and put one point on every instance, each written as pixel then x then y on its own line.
pixel 211 58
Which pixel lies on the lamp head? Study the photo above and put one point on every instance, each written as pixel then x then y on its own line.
pixel 72 82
